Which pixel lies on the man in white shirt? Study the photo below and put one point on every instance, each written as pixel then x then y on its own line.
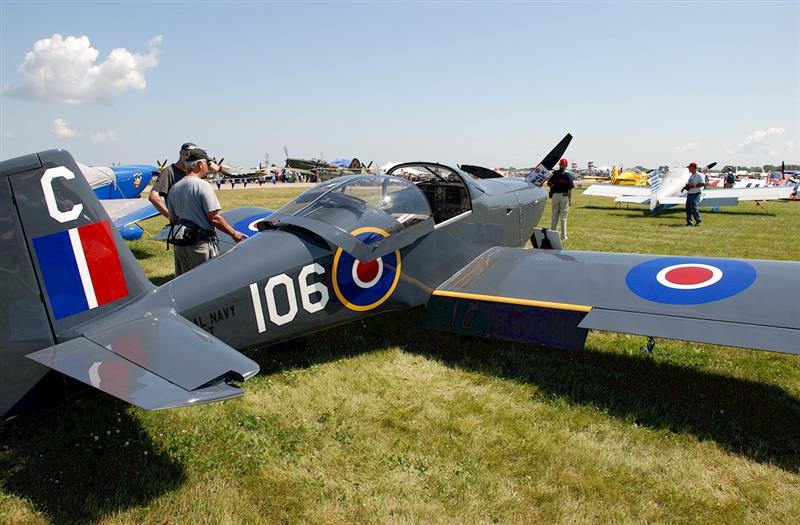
pixel 694 191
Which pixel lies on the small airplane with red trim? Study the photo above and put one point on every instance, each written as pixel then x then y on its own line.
pixel 77 311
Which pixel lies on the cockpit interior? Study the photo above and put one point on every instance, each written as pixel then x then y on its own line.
pixel 444 189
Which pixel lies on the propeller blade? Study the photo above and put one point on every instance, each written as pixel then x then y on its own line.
pixel 370 164
pixel 711 165
pixel 286 151
pixel 552 158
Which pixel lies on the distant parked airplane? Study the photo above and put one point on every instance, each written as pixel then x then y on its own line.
pixel 666 192
pixel 119 188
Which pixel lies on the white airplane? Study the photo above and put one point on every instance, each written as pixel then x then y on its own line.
pixel 667 191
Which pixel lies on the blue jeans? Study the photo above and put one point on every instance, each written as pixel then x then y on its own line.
pixel 691 208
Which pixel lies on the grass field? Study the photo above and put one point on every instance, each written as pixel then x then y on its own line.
pixel 381 422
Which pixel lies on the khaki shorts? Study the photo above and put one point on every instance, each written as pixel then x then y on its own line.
pixel 188 257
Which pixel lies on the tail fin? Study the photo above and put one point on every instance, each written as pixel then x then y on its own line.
pixel 654 180
pixel 81 263
pixel 62 263
pixel 66 274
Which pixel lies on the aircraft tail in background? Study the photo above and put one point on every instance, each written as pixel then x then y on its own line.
pixel 654 180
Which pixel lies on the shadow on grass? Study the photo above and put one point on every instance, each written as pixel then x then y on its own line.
pixel 755 420
pixel 161 279
pixel 669 213
pixel 140 254
pixel 52 458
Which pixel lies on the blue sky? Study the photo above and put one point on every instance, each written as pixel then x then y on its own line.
pixel 493 84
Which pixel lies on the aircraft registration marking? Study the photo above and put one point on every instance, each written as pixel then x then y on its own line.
pixel 50 200
pixel 513 300
pixel 309 299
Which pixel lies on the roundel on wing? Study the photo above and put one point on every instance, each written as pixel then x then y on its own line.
pixel 684 280
pixel 362 286
pixel 247 225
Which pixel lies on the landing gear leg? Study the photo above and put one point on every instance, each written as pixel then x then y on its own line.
pixel 650 346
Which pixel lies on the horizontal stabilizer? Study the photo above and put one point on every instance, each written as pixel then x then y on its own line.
pixel 100 368
pixel 158 353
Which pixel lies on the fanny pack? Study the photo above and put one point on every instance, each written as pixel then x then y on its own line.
pixel 185 233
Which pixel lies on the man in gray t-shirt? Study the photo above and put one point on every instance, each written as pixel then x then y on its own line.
pixel 193 199
pixel 694 192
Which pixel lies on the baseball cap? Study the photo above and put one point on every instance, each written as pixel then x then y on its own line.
pixel 197 154
pixel 692 165
pixel 563 162
pixel 186 146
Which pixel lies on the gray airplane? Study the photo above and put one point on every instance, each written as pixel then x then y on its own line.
pixel 76 308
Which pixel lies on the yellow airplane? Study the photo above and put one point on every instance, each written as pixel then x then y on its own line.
pixel 628 177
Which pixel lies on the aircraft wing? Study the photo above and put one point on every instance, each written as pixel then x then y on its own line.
pixel 157 360
pixel 753 194
pixel 128 211
pixel 633 199
pixel 615 190
pixel 553 297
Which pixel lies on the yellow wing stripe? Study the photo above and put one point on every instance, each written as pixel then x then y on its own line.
pixel 512 300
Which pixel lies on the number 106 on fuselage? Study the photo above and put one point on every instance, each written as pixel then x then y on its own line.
pixel 313 296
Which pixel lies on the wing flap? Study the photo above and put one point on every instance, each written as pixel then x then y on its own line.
pixel 100 368
pixel 743 303
pixel 743 335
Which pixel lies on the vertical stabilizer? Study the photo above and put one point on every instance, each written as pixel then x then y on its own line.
pixel 654 180
pixel 82 265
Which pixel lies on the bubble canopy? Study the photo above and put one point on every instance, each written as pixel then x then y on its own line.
pixel 382 201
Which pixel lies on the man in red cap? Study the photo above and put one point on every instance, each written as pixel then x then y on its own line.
pixel 561 183
pixel 694 191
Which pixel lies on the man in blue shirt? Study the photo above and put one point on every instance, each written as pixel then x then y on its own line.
pixel 694 191
pixel 561 183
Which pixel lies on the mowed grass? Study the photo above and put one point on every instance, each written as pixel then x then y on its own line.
pixel 382 422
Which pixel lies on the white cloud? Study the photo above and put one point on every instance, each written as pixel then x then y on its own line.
pixel 692 146
pixel 62 131
pixel 65 70
pixel 755 140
